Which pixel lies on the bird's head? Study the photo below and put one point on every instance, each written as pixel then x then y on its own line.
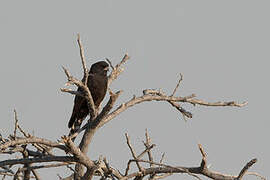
pixel 100 67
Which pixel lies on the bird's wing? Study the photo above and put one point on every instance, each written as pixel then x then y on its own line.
pixel 98 87
pixel 78 101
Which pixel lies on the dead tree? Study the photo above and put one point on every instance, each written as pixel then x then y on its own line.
pixel 86 168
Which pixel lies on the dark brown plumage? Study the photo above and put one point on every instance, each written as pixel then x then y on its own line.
pixel 97 84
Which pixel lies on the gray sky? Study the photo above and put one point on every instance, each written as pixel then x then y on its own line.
pixel 221 48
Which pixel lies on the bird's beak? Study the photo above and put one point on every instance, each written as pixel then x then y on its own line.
pixel 106 68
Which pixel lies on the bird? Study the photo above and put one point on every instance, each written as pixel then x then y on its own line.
pixel 97 84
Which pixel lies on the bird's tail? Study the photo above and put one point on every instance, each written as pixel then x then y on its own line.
pixel 75 126
pixel 71 121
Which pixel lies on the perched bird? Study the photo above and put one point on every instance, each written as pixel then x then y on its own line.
pixel 97 84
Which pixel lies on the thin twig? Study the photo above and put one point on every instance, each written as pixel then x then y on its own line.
pixel 184 112
pixel 177 85
pixel 128 167
pixel 203 162
pixel 256 174
pixel 48 166
pixel 183 169
pixel 86 92
pixel 159 164
pixel 202 151
pixel 155 97
pixel 60 178
pixel 27 172
pixel 147 145
pixel 32 140
pixel 85 70
pixel 147 150
pixel 72 91
pixel 17 174
pixel 246 167
pixel 36 174
pixel 162 158
pixel 133 152
pixel 162 176
pixel 39 160
pixel 16 124
pixel 117 70
pixel 70 168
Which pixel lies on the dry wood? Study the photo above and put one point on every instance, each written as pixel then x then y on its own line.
pixel 44 148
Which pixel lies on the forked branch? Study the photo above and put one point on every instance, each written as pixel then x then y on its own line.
pixel 162 169
pixel 147 168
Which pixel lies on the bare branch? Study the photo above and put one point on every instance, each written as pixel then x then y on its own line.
pixel 27 172
pixel 23 132
pixel 162 97
pixel 77 153
pixel 149 95
pixel 72 91
pixel 204 103
pixel 92 127
pixel 36 174
pixel 117 70
pixel 162 176
pixel 16 123
pixel 182 169
pixel 256 174
pixel 86 92
pixel 167 170
pixel 38 146
pixel 48 166
pixel 91 167
pixel 16 176
pixel 203 163
pixel 177 85
pixel 31 140
pixel 147 150
pixel 162 158
pixel 39 160
pixel 184 112
pixel 85 70
pixel 107 108
pixel 245 168
pixel 128 167
pixel 110 170
pixel 133 152
pixel 42 152
pixel 147 145
pixel 93 123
